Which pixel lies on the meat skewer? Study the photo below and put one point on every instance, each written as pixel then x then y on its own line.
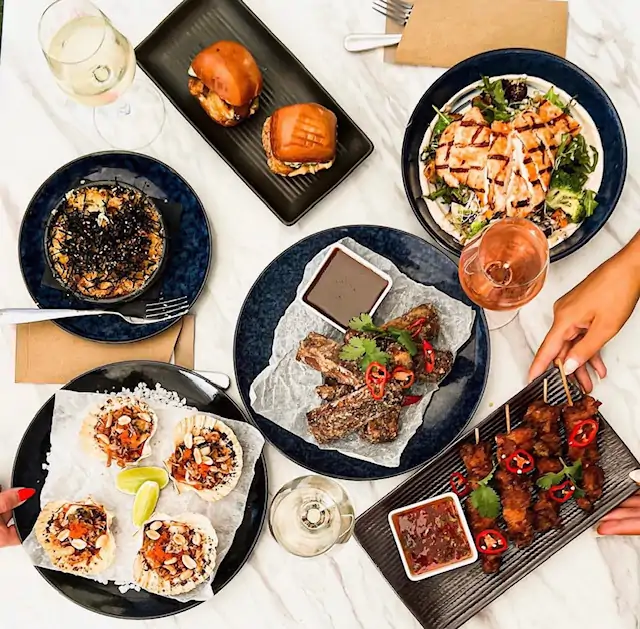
pixel 515 489
pixel 547 448
pixel 581 426
pixel 477 461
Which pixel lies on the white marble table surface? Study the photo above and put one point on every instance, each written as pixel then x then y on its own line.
pixel 594 583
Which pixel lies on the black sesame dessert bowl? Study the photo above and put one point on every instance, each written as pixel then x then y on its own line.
pixel 105 242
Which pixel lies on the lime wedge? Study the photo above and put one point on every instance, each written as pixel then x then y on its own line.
pixel 129 481
pixel 145 502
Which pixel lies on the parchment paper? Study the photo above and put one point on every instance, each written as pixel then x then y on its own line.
pixel 75 475
pixel 285 390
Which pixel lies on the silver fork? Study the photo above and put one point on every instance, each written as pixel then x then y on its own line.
pixel 395 10
pixel 153 313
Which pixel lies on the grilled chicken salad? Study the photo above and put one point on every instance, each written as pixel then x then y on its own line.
pixel 517 151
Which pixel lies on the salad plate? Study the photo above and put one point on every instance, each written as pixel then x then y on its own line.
pixel 514 133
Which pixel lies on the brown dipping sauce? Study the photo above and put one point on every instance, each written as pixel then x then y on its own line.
pixel 432 536
pixel 344 288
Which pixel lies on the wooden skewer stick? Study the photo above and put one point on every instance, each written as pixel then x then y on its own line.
pixel 477 433
pixel 565 384
pixel 544 391
pixel 508 415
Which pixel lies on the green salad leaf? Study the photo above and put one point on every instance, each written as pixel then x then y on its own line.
pixel 485 499
pixel 555 99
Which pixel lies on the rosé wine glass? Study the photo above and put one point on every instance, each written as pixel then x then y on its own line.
pixel 504 268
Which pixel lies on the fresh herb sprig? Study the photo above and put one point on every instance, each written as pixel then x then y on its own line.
pixel 364 323
pixel 568 472
pixel 365 351
pixel 485 498
pixel 575 161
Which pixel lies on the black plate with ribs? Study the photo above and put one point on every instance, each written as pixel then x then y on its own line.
pixel 438 602
pixel 165 55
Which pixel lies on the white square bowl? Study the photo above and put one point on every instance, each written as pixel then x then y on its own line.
pixel 362 261
pixel 465 527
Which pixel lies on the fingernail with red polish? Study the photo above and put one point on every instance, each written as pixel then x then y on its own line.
pixel 25 493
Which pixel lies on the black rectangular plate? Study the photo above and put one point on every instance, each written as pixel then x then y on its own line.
pixel 448 600
pixel 165 55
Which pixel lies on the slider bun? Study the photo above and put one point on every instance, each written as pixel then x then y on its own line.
pixel 303 133
pixel 229 70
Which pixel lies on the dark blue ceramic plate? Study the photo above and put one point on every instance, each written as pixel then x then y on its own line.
pixel 556 70
pixel 28 472
pixel 453 404
pixel 189 253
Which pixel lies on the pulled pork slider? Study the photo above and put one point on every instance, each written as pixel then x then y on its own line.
pixel 300 139
pixel 227 82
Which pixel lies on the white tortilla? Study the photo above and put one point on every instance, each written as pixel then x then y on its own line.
pixel 59 555
pixel 88 429
pixel 461 103
pixel 151 581
pixel 195 425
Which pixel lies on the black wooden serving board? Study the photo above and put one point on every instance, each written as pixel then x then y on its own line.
pixel 448 600
pixel 165 55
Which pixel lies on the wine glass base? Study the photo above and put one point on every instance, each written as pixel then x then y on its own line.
pixel 497 319
pixel 134 121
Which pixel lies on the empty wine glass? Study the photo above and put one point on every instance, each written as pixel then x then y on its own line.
pixel 95 65
pixel 310 515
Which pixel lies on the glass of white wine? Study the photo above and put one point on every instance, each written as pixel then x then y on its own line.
pixel 95 65
pixel 310 515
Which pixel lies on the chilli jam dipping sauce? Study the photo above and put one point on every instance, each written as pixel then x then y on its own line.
pixel 432 536
pixel 345 286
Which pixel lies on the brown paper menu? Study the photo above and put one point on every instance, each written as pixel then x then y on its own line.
pixel 46 354
pixel 442 33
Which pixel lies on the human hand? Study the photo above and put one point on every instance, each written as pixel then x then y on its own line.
pixel 623 520
pixel 9 500
pixel 590 315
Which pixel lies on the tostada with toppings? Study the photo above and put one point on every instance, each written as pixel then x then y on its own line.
pixel 119 430
pixel 76 536
pixel 207 457
pixel 105 243
pixel 177 554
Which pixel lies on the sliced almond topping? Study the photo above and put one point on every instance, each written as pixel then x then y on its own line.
pixel 176 528
pixel 144 417
pixel 207 460
pixel 79 544
pixel 101 542
pixel 62 535
pixel 186 574
pixel 198 441
pixel 108 421
pixel 123 420
pixel 102 437
pixel 188 562
pixel 222 459
pixel 188 440
pixel 179 540
pixel 206 450
pixel 196 539
pixel 66 551
pixel 154 535
pixel 155 525
pixel 170 562
pixel 172 570
pixel 197 455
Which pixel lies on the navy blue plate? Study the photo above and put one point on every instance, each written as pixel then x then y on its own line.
pixel 453 404
pixel 28 472
pixel 544 65
pixel 189 253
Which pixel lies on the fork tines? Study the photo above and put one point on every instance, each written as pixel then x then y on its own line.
pixel 171 308
pixel 395 10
